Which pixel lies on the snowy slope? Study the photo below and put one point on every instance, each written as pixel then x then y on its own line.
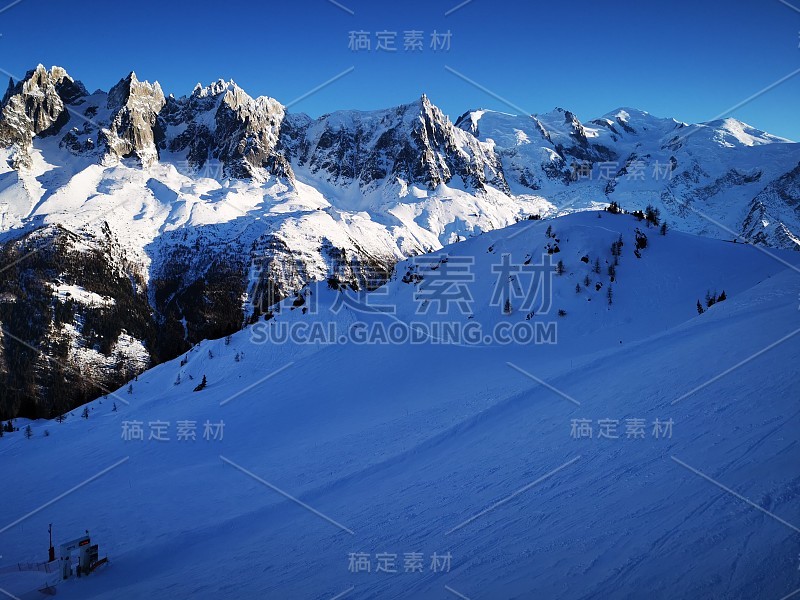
pixel 441 448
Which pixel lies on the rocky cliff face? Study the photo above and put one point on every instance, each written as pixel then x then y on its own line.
pixel 415 143
pixel 76 321
pixel 135 130
pixel 221 122
pixel 768 222
pixel 36 106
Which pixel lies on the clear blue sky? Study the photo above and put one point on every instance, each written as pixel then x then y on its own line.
pixel 691 59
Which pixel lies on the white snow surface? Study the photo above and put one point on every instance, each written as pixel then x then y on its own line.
pixel 393 448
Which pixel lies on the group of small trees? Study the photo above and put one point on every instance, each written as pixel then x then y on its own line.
pixel 652 215
pixel 711 300
pixel 29 432
pixel 616 249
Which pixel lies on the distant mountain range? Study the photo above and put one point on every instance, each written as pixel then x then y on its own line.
pixel 134 224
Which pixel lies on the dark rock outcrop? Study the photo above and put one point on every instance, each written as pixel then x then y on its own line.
pixel 35 106
pixel 135 129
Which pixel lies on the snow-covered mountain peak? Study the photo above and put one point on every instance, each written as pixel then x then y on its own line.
pixel 34 106
pixel 730 132
pixel 414 143
pixel 213 89
pixel 135 130
pixel 130 90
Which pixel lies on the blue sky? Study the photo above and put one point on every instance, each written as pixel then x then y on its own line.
pixel 689 59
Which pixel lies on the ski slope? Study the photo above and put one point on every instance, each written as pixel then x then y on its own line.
pixel 344 448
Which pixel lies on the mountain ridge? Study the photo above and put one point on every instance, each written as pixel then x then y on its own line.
pixel 223 204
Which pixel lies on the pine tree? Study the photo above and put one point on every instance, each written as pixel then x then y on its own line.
pixel 610 296
pixel 177 380
pixel 507 307
pixel 60 418
pixel 202 385
pixel 711 299
pixel 652 214
pixel 722 297
pixel 560 267
pixel 85 413
pixel 210 354
pixel 700 310
pixel 577 288
pixel 612 272
pixel 130 388
pixel 586 281
pixel 114 408
pixel 596 267
pixel 549 232
pixel 28 432
pixel 664 228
